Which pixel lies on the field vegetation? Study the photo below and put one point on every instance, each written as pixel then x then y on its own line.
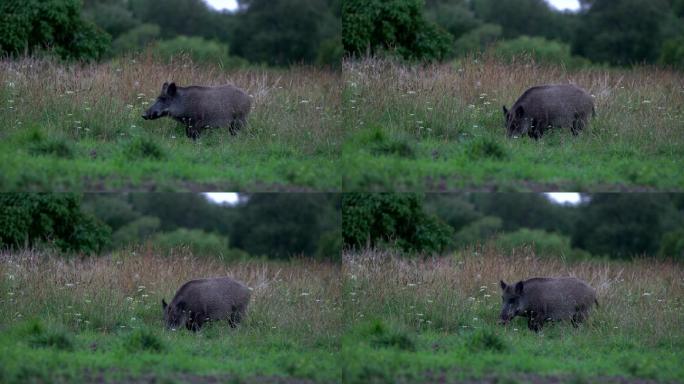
pixel 437 127
pixel 100 320
pixel 78 127
pixel 436 320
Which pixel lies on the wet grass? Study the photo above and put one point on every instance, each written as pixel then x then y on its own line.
pixel 450 118
pixel 78 127
pixel 101 320
pixel 436 320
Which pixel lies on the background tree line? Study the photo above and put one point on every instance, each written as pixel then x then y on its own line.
pixel 614 32
pixel 276 226
pixel 620 225
pixel 272 32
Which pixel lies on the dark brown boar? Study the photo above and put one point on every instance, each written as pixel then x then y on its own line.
pixel 543 107
pixel 547 299
pixel 202 300
pixel 199 108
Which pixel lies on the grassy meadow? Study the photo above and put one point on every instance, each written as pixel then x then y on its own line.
pixel 100 320
pixel 436 320
pixel 79 127
pixel 441 127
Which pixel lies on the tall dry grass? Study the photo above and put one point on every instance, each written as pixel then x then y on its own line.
pixel 124 290
pixel 104 101
pixel 640 105
pixel 642 297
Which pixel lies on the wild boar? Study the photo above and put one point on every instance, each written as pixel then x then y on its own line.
pixel 198 301
pixel 547 299
pixel 546 106
pixel 202 107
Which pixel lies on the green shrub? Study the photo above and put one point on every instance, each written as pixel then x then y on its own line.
pixel 543 243
pixel 392 218
pixel 672 53
pixel 478 231
pixel 143 340
pixel 672 244
pixel 143 148
pixel 199 242
pixel 136 39
pixel 540 50
pixel 477 40
pixel 329 246
pixel 56 25
pixel 200 50
pixel 136 231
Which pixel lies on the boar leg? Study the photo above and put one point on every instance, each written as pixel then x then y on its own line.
pixel 235 317
pixel 535 322
pixel 236 124
pixel 192 132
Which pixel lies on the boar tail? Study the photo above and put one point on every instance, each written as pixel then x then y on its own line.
pixel 596 302
pixel 593 114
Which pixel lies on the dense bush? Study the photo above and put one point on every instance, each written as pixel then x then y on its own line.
pixel 136 231
pixel 392 219
pixel 28 219
pixel 136 39
pixel 201 51
pixel 199 242
pixel 478 39
pixel 28 26
pixel 539 49
pixel 672 244
pixel 543 243
pixel 396 26
pixel 672 53
pixel 478 231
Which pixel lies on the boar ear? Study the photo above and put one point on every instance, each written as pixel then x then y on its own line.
pixel 505 110
pixel 520 111
pixel 502 284
pixel 165 86
pixel 519 288
pixel 171 90
pixel 164 304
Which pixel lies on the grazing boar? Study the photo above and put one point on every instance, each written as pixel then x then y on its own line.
pixel 202 107
pixel 198 301
pixel 547 299
pixel 546 106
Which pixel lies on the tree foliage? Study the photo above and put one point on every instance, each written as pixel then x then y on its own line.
pixel 32 219
pixel 396 26
pixel 621 32
pixel 29 26
pixel 392 219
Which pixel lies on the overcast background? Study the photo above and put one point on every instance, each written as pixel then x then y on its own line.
pixel 232 4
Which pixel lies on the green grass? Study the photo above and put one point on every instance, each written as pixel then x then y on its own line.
pixel 441 127
pixel 101 319
pixel 150 351
pixel 436 320
pixel 511 354
pixel 86 133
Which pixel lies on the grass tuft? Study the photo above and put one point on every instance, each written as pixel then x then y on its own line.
pixel 57 147
pixel 142 148
pixel 486 340
pixel 486 148
pixel 143 340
